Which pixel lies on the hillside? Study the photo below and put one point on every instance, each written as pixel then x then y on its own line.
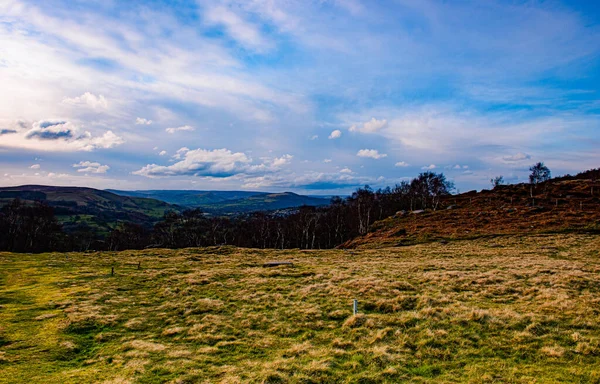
pixel 229 202
pixel 519 309
pixel 557 206
pixel 265 202
pixel 188 198
pixel 100 210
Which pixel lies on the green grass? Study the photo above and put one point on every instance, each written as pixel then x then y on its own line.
pixel 510 309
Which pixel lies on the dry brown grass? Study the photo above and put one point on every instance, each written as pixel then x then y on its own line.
pixel 513 309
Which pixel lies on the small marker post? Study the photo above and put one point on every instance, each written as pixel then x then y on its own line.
pixel 355 307
pixel 139 265
pixel 112 271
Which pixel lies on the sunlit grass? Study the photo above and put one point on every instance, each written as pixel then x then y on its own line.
pixel 497 310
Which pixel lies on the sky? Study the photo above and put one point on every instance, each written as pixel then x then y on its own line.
pixel 315 97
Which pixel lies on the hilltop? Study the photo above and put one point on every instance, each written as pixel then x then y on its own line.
pixel 559 205
pixel 98 209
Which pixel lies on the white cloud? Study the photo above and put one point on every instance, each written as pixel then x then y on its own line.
pixel 335 134
pixel 201 162
pixel 517 157
pixel 327 161
pixel 346 170
pixel 429 167
pixel 142 121
pixel 401 164
pixel 181 152
pixel 89 99
pixel 59 136
pixel 51 130
pixel 314 137
pixel 371 153
pixel 370 126
pixel 91 167
pixel 162 153
pixel 283 160
pixel 178 129
pixel 35 166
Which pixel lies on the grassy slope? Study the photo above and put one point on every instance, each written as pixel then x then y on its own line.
pixel 564 207
pixel 519 309
pixel 188 198
pixel 99 209
pixel 230 202
pixel 267 202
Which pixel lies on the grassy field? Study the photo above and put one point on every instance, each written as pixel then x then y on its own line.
pixel 509 309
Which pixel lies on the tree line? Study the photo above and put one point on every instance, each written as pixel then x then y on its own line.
pixel 25 228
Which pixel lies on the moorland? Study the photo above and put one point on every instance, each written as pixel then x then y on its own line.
pixel 506 309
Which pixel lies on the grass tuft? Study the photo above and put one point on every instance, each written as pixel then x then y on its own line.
pixel 510 309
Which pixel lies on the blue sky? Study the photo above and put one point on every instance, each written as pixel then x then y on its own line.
pixel 310 96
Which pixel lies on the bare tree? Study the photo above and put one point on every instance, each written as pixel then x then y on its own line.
pixel 539 174
pixel 496 181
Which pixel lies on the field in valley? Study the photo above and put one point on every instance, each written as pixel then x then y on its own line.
pixel 503 309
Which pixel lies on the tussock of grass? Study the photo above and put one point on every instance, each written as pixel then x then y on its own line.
pixel 515 309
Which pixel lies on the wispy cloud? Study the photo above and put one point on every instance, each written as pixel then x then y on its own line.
pixel 489 85
pixel 179 129
pixel 91 167
pixel 142 121
pixel 517 157
pixel 242 31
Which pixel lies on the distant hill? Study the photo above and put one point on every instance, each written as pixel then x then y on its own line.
pixel 229 202
pixel 98 209
pixel 188 198
pixel 566 204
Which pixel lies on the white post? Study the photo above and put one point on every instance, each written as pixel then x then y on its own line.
pixel 355 307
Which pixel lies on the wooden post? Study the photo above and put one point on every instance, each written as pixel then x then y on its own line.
pixel 355 307
pixel 112 271
pixel 139 265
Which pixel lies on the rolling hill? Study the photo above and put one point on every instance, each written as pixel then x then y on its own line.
pixel 229 202
pixel 100 210
pixel 557 206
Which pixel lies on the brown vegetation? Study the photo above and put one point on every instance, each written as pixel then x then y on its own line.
pixel 557 206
